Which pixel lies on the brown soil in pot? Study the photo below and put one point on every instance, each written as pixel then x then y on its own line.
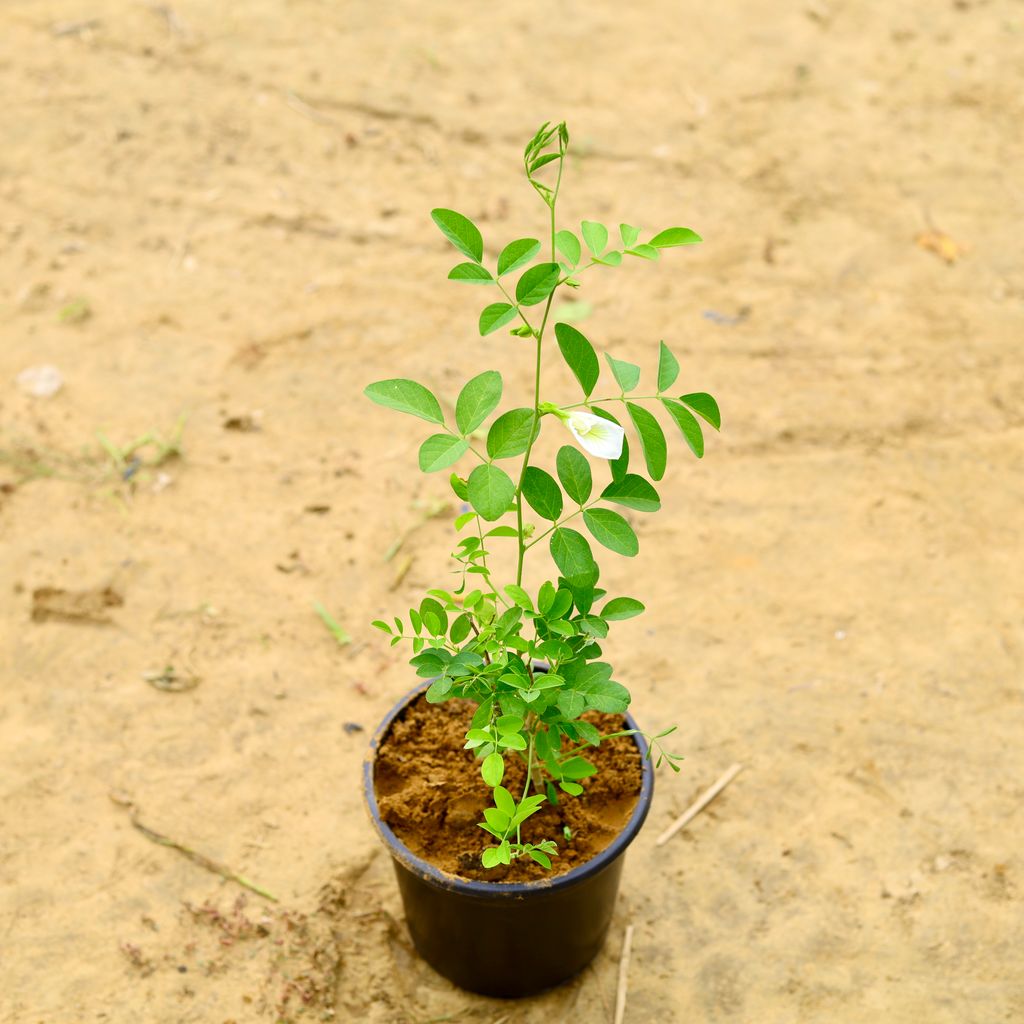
pixel 430 793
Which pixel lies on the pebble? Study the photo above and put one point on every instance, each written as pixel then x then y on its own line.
pixel 42 381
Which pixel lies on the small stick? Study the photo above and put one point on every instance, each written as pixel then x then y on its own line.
pixel 620 995
pixel 694 809
pixel 193 855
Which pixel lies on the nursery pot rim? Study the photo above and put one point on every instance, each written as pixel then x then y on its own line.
pixel 428 872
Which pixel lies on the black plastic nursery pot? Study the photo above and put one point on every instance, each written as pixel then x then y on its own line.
pixel 483 936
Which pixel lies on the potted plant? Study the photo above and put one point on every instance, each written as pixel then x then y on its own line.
pixel 509 783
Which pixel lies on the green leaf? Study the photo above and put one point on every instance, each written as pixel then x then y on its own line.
pixel 490 491
pixel 541 161
pixel 459 487
pixel 461 232
pixel 541 858
pixel 504 801
pixel 563 602
pixel 490 858
pixel 688 424
pixel 460 628
pixel 545 598
pixel 511 432
pixel 496 315
pixel 633 491
pixel 629 235
pixel 496 818
pixel 472 273
pixel 438 690
pixel 571 704
pixel 521 598
pixel 592 625
pixel 644 251
pixel 537 284
pixel 675 236
pixel 668 368
pixel 569 246
pixel 612 258
pixel 542 493
pixel 580 355
pixel 482 715
pixel 434 617
pixel 477 738
pixel 605 695
pixel 571 553
pixel 574 472
pixel 406 396
pixel 577 768
pixel 517 254
pixel 477 400
pixel 439 451
pixel 550 649
pixel 621 608
pixel 652 439
pixel 493 769
pixel 572 788
pixel 595 235
pixel 512 705
pixel 611 530
pixel 540 139
pixel 382 625
pixel 626 374
pixel 590 733
pixel 502 531
pixel 704 405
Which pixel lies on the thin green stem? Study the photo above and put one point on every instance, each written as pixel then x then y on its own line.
pixel 617 398
pixel 566 754
pixel 526 460
pixel 536 385
pixel 486 578
pixel 526 784
pixel 512 302
pixel 455 433
pixel 561 522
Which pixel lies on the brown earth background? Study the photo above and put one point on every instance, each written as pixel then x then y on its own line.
pixel 220 211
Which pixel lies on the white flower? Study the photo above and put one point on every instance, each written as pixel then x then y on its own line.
pixel 598 436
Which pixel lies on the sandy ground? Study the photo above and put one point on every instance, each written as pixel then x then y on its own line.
pixel 220 211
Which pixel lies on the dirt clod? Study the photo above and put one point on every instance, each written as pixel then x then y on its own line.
pixel 430 792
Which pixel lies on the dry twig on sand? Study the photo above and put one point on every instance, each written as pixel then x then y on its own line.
pixel 193 855
pixel 695 808
pixel 620 995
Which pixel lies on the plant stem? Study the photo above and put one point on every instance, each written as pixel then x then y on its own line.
pixel 526 785
pixel 617 398
pixel 512 302
pixel 455 433
pixel 562 522
pixel 536 386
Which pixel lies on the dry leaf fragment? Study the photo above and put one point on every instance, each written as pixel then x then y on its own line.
pixel 938 242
